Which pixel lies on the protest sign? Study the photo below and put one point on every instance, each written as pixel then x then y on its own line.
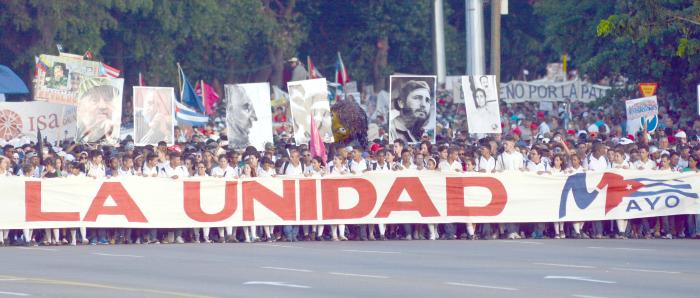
pixel 642 112
pixel 309 98
pixel 153 115
pixel 22 119
pixel 576 90
pixel 481 102
pixel 99 110
pixel 57 78
pixel 248 115
pixel 370 198
pixel 413 108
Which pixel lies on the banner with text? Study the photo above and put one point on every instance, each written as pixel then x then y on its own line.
pixel 576 90
pixel 386 197
pixel 22 119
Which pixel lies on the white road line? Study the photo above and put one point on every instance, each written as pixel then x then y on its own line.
pixel 358 275
pixel 287 269
pixel 480 286
pixel 645 270
pixel 14 294
pixel 114 255
pixel 522 242
pixel 277 245
pixel 371 251
pixel 275 284
pixel 565 265
pixel 622 248
pixel 587 296
pixel 12 279
pixel 579 278
pixel 37 248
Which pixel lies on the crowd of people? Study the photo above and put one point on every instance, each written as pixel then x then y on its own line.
pixel 558 141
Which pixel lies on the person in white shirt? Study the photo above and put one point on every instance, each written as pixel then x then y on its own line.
pixel 224 170
pixel 449 160
pixel 449 163
pixel 150 168
pixel 644 162
pixel 536 163
pixel 598 161
pixel 293 168
pixel 381 164
pixel 174 170
pixel 338 168
pixel 268 170
pixel 96 169
pixel 486 162
pixel 127 168
pixel 510 160
pixel 316 170
pixel 357 164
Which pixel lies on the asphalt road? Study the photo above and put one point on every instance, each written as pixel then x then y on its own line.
pixel 501 268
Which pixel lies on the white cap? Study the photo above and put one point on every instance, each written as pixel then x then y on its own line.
pixel 625 141
pixel 681 134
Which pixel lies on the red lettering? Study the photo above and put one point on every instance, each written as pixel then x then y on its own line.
pixel 455 196
pixel 125 205
pixel 193 206
pixel 307 200
pixel 32 205
pixel 420 201
pixel 283 206
pixel 53 121
pixel 331 202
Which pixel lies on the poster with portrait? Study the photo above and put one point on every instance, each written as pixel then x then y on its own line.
pixel 481 102
pixel 281 115
pixel 310 98
pixel 57 78
pixel 248 115
pixel 153 115
pixel 412 114
pixel 23 119
pixel 99 110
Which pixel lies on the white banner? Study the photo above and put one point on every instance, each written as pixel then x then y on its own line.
pixel 576 90
pixel 22 119
pixel 642 111
pixel 375 197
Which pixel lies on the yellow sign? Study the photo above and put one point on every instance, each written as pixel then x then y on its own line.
pixel 648 89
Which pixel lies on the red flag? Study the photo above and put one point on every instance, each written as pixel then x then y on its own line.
pixel 313 73
pixel 316 145
pixel 208 95
pixel 341 73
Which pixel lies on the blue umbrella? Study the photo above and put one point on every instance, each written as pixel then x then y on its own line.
pixel 10 82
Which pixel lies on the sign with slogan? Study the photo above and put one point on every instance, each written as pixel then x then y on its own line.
pixel 369 198
pixel 576 90
pixel 23 119
pixel 648 89
pixel 642 112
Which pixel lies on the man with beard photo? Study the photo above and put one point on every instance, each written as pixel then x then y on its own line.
pixel 414 105
pixel 96 106
pixel 240 115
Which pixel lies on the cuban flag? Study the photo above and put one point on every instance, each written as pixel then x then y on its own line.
pixel 109 71
pixel 187 116
pixel 341 74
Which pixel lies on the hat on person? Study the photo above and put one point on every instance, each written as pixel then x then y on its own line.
pixel 681 134
pixel 31 154
pixel 129 146
pixel 269 146
pixel 375 147
pixel 293 59
pixel 540 115
pixel 653 149
pixel 348 148
pixel 625 141
pixel 570 132
pixel 517 131
pixel 69 157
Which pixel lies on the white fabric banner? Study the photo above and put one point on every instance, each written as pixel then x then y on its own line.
pixel 22 119
pixel 576 90
pixel 376 197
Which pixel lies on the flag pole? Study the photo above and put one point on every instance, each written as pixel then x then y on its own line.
pixel 179 79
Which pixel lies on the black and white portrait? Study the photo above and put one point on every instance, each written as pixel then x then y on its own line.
pixel 412 116
pixel 248 115
pixel 481 102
